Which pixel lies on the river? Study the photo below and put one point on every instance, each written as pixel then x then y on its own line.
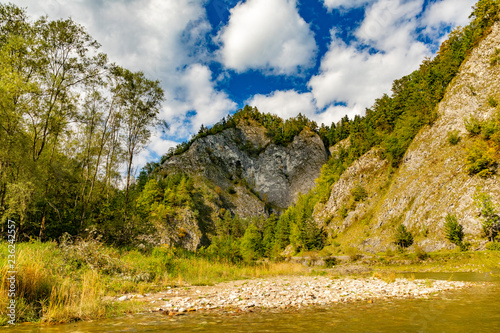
pixel 470 310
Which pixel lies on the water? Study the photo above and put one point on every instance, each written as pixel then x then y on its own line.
pixel 470 310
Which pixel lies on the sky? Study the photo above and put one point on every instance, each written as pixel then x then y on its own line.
pixel 322 58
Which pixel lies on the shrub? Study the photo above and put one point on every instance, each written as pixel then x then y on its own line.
pixel 453 230
pixel 359 193
pixel 231 190
pixel 493 246
pixel 473 126
pixel 480 159
pixel 330 262
pixel 489 128
pixel 495 57
pixel 404 238
pixel 492 102
pixel 343 212
pixel 465 246
pixel 454 137
pixel 491 221
pixel 420 253
pixel 354 253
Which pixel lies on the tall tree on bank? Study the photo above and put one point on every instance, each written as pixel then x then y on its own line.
pixel 139 100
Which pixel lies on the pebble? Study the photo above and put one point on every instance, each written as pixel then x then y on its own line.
pixel 281 293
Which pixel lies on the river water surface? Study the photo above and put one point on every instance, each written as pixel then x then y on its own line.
pixel 470 310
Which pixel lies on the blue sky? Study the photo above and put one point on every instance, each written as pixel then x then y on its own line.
pixel 322 58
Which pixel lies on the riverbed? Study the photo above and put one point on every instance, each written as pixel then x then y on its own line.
pixel 474 309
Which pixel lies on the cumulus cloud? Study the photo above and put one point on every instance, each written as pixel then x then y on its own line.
pixel 268 35
pixel 390 24
pixel 446 12
pixel 356 75
pixel 285 104
pixel 346 4
pixel 201 102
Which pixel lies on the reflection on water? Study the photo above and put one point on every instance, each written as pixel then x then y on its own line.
pixel 471 310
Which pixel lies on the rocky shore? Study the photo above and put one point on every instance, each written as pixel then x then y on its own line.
pixel 290 291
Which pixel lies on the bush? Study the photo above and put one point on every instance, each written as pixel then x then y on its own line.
pixel 330 262
pixel 404 238
pixel 492 102
pixel 231 190
pixel 473 126
pixel 491 220
pixel 495 57
pixel 454 137
pixel 489 129
pixel 420 253
pixel 453 230
pixel 480 159
pixel 343 212
pixel 354 253
pixel 493 246
pixel 359 193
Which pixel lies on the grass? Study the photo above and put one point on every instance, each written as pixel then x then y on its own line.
pixel 476 262
pixel 73 281
pixel 69 282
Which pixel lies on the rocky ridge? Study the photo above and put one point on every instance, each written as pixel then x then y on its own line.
pixel 432 180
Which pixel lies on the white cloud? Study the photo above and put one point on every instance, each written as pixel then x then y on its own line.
pixel 357 77
pixel 285 104
pixel 448 12
pixel 390 24
pixel 346 4
pixel 209 104
pixel 353 75
pixel 267 35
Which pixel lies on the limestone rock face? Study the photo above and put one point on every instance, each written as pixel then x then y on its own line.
pixel 432 180
pixel 245 161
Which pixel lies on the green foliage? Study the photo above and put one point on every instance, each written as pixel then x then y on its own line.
pixel 403 237
pixel 454 137
pixel 489 129
pixel 495 57
pixel 420 253
pixel 231 190
pixel 453 230
pixel 251 244
pixel 492 101
pixel 473 125
pixel 343 212
pixel 304 233
pixel 493 246
pixel 491 220
pixel 354 253
pixel 359 193
pixel 481 159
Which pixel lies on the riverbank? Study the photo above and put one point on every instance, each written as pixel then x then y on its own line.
pixel 289 292
pixel 81 280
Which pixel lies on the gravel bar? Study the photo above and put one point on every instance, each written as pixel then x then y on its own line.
pixel 289 292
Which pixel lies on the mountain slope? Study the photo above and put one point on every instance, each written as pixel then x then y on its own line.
pixel 432 180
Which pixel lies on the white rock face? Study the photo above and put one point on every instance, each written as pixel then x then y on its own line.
pixel 275 173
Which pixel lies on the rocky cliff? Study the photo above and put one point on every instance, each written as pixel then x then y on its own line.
pixel 249 170
pixel 432 180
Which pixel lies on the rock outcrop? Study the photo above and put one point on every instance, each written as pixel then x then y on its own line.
pixel 254 171
pixel 432 180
